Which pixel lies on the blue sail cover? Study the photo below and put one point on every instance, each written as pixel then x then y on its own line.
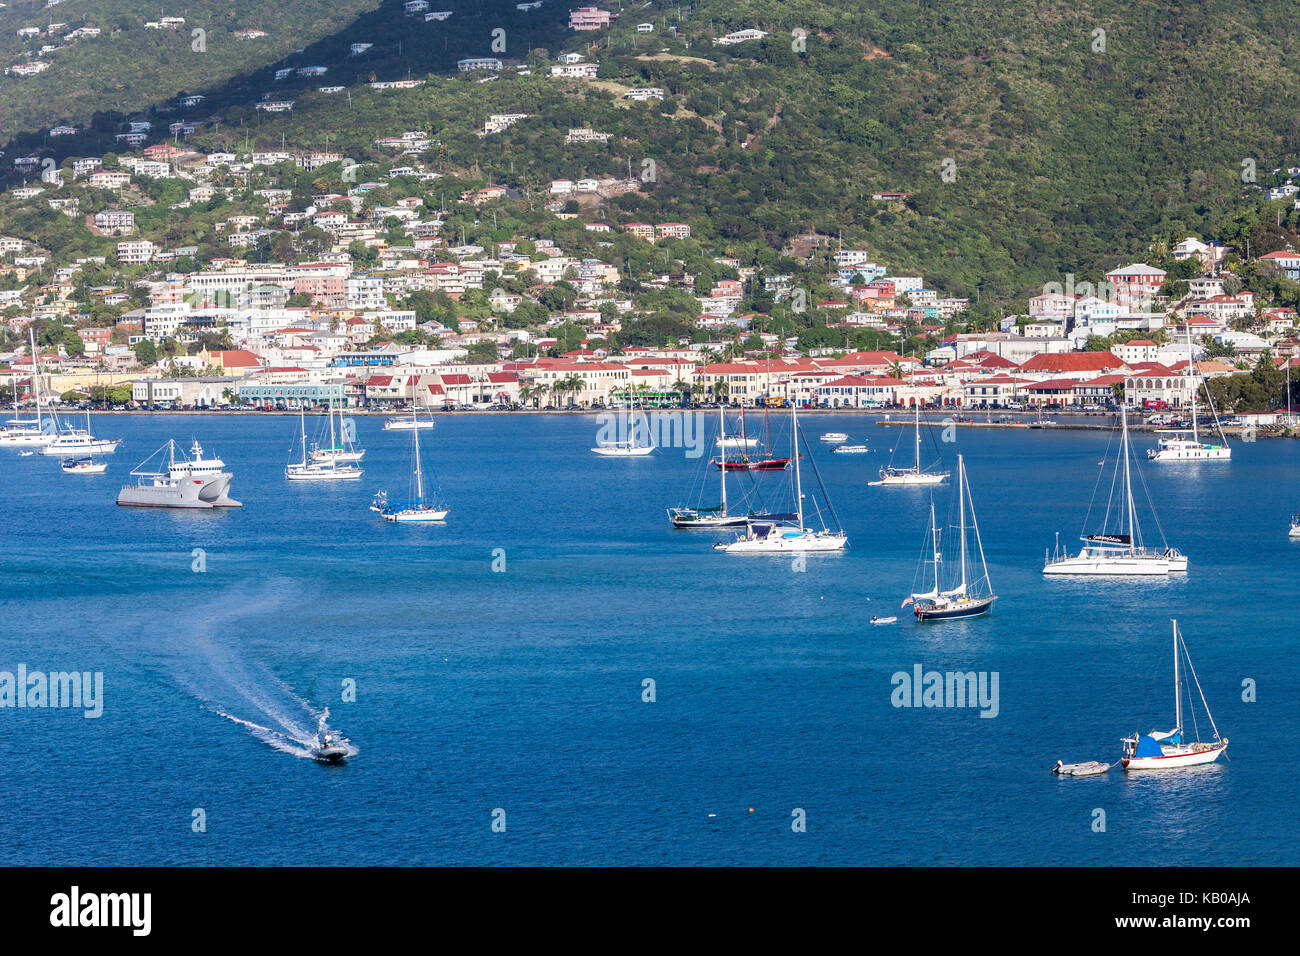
pixel 1147 747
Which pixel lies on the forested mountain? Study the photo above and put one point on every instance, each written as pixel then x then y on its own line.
pixel 1034 137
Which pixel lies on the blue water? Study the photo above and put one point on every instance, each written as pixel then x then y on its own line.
pixel 521 689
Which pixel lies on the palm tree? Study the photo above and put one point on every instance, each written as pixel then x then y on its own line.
pixel 896 369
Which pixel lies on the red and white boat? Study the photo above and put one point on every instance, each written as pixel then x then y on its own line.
pixel 1169 750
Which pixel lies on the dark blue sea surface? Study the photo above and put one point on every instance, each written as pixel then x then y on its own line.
pixel 521 688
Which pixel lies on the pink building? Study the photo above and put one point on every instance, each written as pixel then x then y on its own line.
pixel 589 18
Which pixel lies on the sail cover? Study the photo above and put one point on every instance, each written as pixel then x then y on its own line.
pixel 1109 538
pixel 1147 747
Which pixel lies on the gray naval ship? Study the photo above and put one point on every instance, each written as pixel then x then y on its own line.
pixel 195 482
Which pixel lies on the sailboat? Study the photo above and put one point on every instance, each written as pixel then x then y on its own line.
pixel 21 432
pixel 309 470
pixel 969 595
pixel 1169 750
pixel 763 461
pixel 419 508
pixel 915 475
pixel 719 516
pixel 341 449
pixel 1121 551
pixel 1180 447
pixel 628 448
pixel 402 424
pixel 775 534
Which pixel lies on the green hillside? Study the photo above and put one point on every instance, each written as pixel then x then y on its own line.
pixel 1060 154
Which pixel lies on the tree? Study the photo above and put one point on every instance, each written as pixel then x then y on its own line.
pixel 146 353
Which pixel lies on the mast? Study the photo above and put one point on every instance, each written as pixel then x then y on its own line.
pixel 419 478
pixel 961 508
pixel 302 420
pixel 36 381
pixel 330 414
pixel 794 442
pixel 722 456
pixel 934 531
pixel 1195 388
pixel 1128 486
pixel 1178 696
pixel 918 438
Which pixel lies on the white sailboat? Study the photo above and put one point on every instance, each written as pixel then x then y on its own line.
pixel 1118 552
pixel 915 475
pixel 342 448
pixel 775 534
pixel 1170 750
pixel 402 424
pixel 418 508
pixel 309 470
pixel 1185 444
pixel 21 432
pixel 629 448
pixel 968 595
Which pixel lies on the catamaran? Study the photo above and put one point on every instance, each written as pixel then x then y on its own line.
pixel 967 595
pixel 776 534
pixel 1169 750
pixel 1185 443
pixel 196 482
pixel 628 448
pixel 341 448
pixel 718 516
pixel 309 470
pixel 915 475
pixel 418 508
pixel 1119 551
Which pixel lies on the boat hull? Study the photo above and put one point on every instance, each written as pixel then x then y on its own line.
pixel 914 479
pixel 326 474
pixel 765 464
pixel 1092 564
pixel 953 610
pixel 192 493
pixel 786 543
pixel 421 516
pixel 98 446
pixel 1174 761
pixel 612 452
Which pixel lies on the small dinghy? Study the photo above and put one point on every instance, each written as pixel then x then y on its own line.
pixel 1089 768
pixel 884 620
pixel 331 750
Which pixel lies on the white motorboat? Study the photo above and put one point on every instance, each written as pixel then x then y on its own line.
pixel 835 437
pixel 884 620
pixel 328 470
pixel 967 594
pixel 1295 527
pixel 774 535
pixel 84 466
pixel 196 482
pixel 1117 550
pixel 71 442
pixel 913 475
pixel 1170 750
pixel 849 450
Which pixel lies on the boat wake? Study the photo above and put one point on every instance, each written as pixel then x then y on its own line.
pixel 248 694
